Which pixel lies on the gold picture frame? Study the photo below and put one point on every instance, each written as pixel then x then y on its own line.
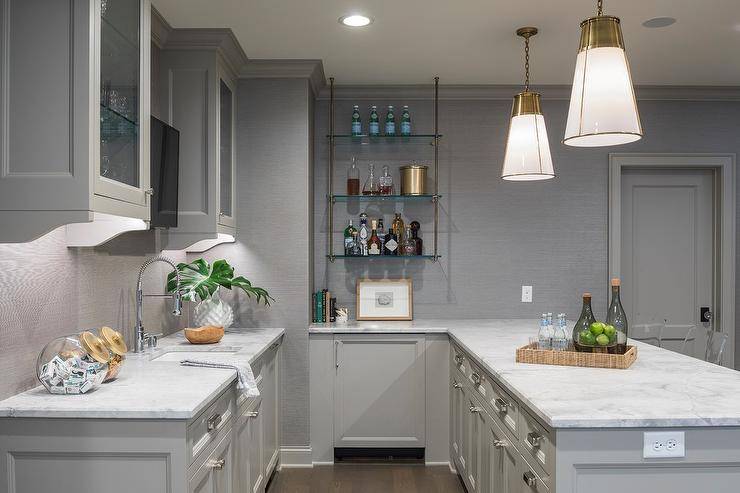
pixel 385 299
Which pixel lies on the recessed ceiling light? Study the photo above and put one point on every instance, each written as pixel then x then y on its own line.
pixel 659 22
pixel 355 20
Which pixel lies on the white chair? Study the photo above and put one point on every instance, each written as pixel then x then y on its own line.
pixel 716 342
pixel 648 333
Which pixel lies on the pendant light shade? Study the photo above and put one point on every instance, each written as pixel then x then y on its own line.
pixel 527 155
pixel 603 108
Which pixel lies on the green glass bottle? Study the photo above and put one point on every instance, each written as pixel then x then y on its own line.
pixel 348 236
pixel 356 122
pixel 390 121
pixel 405 121
pixel 582 342
pixel 616 317
pixel 374 125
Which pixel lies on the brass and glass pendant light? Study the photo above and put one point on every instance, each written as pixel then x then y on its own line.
pixel 603 109
pixel 527 156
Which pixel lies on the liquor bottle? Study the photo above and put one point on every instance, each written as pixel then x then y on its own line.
pixel 356 122
pixel 585 320
pixel 390 245
pixel 371 184
pixel 408 245
pixel 405 121
pixel 373 244
pixel 615 316
pixel 415 227
pixel 355 248
pixel 390 121
pixel 353 178
pixel 374 125
pixel 348 237
pixel 386 182
pixel 381 234
pixel 363 234
pixel 398 227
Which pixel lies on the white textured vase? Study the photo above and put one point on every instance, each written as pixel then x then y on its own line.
pixel 213 311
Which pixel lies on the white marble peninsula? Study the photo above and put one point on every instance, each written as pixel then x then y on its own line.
pixel 517 427
pixel 160 427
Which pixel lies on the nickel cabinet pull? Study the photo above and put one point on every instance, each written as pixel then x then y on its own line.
pixel 500 443
pixel 534 439
pixel 218 464
pixel 459 359
pixel 476 378
pixel 456 385
pixel 529 478
pixel 502 405
pixel 475 409
pixel 213 422
pixel 336 354
pixel 253 414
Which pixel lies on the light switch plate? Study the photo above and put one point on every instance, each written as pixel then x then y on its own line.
pixel 526 294
pixel 662 444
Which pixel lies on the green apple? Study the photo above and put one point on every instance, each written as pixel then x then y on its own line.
pixel 602 340
pixel 586 338
pixel 596 328
pixel 610 330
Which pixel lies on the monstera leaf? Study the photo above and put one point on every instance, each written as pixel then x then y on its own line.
pixel 199 280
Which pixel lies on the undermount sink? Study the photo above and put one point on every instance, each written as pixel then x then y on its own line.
pixel 178 356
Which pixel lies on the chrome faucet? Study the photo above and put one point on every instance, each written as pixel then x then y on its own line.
pixel 144 339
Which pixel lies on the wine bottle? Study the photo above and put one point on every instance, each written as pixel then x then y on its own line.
pixel 584 321
pixel 373 244
pixel 348 237
pixel 618 318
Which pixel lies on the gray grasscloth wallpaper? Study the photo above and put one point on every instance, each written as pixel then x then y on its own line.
pixel 274 248
pixel 49 290
pixel 496 236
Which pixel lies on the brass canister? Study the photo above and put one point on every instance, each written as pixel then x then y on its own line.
pixel 414 179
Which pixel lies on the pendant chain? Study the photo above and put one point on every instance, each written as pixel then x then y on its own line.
pixel 526 64
pixel 600 7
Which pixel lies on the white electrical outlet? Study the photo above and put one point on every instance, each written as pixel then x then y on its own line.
pixel 526 294
pixel 661 444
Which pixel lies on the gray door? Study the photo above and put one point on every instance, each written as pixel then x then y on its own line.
pixel 667 252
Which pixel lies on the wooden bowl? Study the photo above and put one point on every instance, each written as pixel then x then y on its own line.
pixel 209 334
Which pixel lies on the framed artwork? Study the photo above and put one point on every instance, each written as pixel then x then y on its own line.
pixel 385 299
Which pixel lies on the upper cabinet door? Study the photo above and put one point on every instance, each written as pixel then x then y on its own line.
pixel 122 157
pixel 226 157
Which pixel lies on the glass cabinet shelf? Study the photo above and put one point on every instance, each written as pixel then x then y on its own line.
pixel 345 139
pixel 385 257
pixel 381 198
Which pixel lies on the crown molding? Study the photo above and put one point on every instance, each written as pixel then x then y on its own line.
pixel 507 92
pixel 313 70
pixel 161 29
pixel 222 40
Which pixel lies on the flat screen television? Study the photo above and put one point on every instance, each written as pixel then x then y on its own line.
pixel 165 167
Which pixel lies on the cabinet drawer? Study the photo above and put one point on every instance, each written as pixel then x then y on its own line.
pixel 537 446
pixel 204 429
pixel 529 479
pixel 497 401
pixel 214 472
pixel 459 360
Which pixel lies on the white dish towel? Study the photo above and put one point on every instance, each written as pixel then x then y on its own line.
pixel 246 382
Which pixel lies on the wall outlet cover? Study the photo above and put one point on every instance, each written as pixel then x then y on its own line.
pixel 662 444
pixel 526 294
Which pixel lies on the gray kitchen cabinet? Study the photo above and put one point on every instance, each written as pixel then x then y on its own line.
pixel 458 397
pixel 74 118
pixel 215 474
pixel 271 408
pixel 476 435
pixel 248 448
pixel 379 391
pixel 198 70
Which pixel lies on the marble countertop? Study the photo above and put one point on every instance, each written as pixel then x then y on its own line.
pixel 148 389
pixel 661 389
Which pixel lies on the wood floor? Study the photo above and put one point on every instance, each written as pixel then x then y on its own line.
pixel 367 478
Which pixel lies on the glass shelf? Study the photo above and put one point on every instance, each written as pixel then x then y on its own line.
pixel 382 198
pixel 383 139
pixel 386 257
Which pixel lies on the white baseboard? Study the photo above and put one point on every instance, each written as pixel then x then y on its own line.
pixel 437 463
pixel 295 457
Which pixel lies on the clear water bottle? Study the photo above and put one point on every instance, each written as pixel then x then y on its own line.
pixel 543 336
pixel 560 335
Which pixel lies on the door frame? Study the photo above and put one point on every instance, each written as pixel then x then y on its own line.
pixel 724 279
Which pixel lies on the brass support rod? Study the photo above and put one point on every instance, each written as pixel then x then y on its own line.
pixel 331 169
pixel 436 165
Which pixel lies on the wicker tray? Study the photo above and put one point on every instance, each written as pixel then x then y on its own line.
pixel 531 354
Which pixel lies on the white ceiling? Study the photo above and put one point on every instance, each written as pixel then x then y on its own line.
pixel 473 41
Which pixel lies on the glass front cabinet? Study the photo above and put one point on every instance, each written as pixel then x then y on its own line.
pixel 74 118
pixel 226 163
